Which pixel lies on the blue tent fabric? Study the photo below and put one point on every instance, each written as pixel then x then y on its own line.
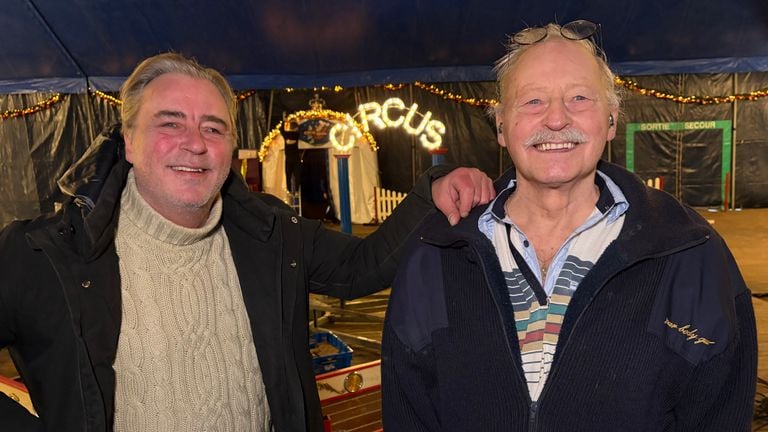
pixel 53 45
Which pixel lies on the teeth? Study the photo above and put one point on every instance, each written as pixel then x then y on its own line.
pixel 555 146
pixel 187 169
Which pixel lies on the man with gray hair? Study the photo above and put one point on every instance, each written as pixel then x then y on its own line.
pixel 579 299
pixel 166 296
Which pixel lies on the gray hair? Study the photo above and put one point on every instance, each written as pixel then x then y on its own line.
pixel 132 89
pixel 506 64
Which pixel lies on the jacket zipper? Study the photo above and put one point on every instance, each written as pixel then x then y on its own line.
pixel 532 412
pixel 532 406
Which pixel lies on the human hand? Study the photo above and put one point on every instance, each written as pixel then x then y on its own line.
pixel 461 190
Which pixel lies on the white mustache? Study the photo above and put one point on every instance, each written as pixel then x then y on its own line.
pixel 546 136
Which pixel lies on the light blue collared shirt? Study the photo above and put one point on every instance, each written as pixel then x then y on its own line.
pixel 611 205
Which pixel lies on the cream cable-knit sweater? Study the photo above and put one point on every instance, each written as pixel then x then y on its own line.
pixel 186 359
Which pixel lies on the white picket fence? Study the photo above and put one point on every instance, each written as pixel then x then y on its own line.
pixel 655 183
pixel 386 201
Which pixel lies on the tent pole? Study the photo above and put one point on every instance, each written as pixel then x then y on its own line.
pixel 90 112
pixel 733 146
pixel 269 110
pixel 413 142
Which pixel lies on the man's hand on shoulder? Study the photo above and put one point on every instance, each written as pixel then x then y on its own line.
pixel 461 190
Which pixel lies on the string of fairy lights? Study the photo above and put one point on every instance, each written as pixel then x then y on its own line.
pixel 23 112
pixel 626 83
pixel 699 100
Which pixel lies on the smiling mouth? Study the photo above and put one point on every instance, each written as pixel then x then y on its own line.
pixel 187 169
pixel 554 146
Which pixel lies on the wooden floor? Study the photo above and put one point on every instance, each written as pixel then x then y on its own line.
pixel 746 233
pixel 761 314
pixel 358 414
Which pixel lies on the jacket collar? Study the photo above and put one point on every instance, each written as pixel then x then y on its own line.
pixel 655 221
pixel 95 183
pixel 248 210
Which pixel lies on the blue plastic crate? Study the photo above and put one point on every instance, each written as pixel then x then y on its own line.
pixel 327 363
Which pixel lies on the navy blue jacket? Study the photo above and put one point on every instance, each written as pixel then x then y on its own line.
pixel 629 356
pixel 60 305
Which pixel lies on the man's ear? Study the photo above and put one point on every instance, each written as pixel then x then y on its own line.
pixel 500 130
pixel 613 120
pixel 128 139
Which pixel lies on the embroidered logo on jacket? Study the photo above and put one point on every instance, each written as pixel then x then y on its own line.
pixel 690 334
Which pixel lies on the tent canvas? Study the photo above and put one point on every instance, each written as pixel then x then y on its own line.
pixel 69 46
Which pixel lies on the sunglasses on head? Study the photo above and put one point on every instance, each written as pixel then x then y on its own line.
pixel 574 30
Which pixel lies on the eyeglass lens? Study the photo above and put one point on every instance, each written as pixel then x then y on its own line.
pixel 578 30
pixel 530 36
pixel 574 30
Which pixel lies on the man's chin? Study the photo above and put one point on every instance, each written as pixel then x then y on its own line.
pixel 193 202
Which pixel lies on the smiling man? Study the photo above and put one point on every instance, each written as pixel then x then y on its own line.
pixel 570 302
pixel 180 145
pixel 166 296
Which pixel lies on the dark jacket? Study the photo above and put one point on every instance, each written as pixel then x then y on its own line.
pixel 60 306
pixel 630 355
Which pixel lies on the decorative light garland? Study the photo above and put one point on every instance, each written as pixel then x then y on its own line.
pixel 624 82
pixel 393 86
pixel 245 95
pixel 335 89
pixel 480 103
pixel 313 114
pixel 110 99
pixel 700 100
pixel 42 105
pixel 476 102
pixel 117 102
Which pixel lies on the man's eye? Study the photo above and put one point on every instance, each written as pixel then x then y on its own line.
pixel 533 105
pixel 213 130
pixel 581 98
pixel 580 103
pixel 171 127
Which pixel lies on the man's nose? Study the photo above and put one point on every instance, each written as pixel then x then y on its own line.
pixel 194 142
pixel 557 116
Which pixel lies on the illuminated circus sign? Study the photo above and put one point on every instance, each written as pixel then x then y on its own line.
pixel 393 113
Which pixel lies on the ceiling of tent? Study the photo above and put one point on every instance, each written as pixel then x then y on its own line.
pixel 55 45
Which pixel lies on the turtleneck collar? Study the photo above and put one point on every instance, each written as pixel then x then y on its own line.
pixel 140 213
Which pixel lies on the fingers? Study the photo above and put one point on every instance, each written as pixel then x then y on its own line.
pixel 478 191
pixel 469 196
pixel 461 190
pixel 453 218
pixel 489 193
pixel 444 197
